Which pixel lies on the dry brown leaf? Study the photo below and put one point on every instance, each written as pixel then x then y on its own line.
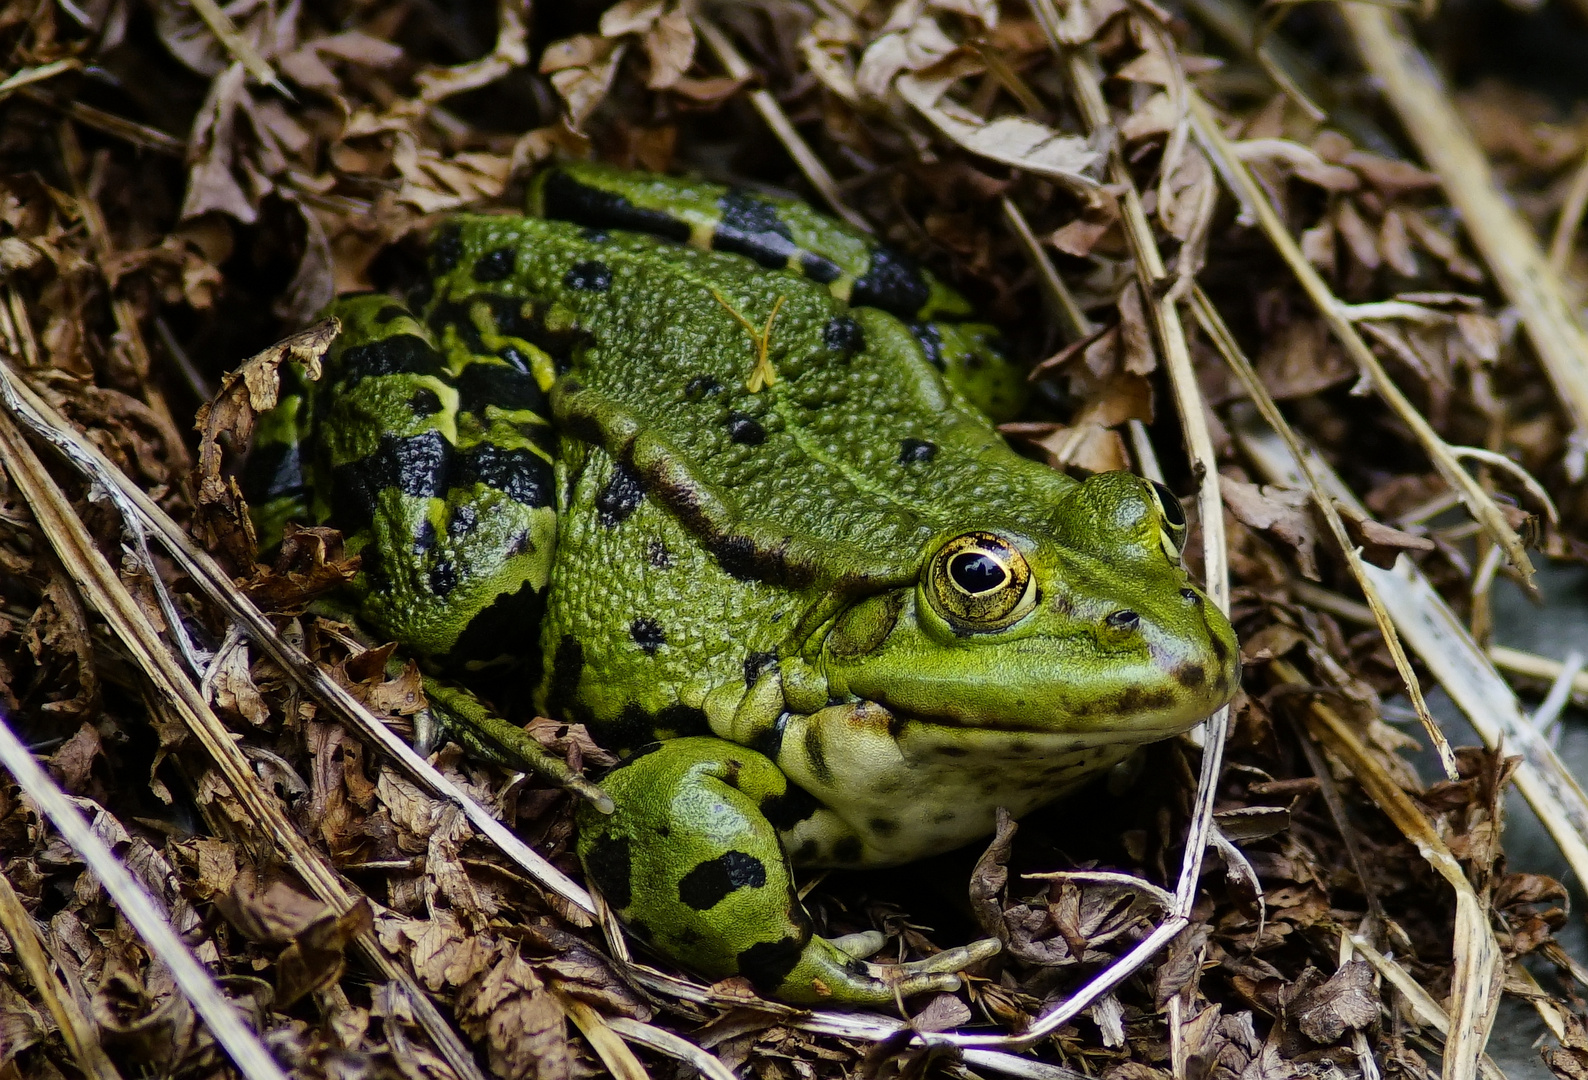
pixel 1284 512
pixel 1358 236
pixel 1012 140
pixel 266 907
pixel 309 564
pixel 212 864
pixel 670 47
pixel 245 393
pixel 1395 244
pixel 630 17
pixel 59 628
pixel 1300 358
pixel 1156 116
pixel 73 761
pixel 523 1024
pixel 510 50
pixel 1380 543
pixel 914 47
pixel 1080 236
pixel 1346 1002
pixel 317 955
pixel 213 180
pixel 581 70
pixel 233 688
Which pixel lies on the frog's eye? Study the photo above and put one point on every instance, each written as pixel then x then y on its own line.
pixel 1172 514
pixel 980 582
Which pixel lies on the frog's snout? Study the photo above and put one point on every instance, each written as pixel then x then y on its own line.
pixel 1185 648
pixel 1203 663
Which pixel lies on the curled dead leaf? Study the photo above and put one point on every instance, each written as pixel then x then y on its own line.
pixel 1346 1002
pixel 317 955
pixel 1283 512
pixel 1012 140
pixel 1381 544
pixel 581 70
pixel 246 392
pixel 309 564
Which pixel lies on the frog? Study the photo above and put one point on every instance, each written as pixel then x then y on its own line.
pixel 719 477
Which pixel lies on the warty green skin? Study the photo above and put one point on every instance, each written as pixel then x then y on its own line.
pixel 557 456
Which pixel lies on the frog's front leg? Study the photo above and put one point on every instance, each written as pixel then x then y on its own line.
pixel 693 866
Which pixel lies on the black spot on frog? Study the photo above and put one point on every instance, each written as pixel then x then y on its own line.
pixel 620 497
pixel 892 283
pixel 843 334
pixel 745 430
pixel 589 276
pixel 710 882
pixel 647 634
pixel 495 265
pixel 611 868
pixel 443 578
pixel 424 402
pixel 447 248
pixel 767 963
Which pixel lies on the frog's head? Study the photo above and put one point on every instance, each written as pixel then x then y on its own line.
pixel 1080 620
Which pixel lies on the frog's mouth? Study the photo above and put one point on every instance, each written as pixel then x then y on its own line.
pixel 1143 724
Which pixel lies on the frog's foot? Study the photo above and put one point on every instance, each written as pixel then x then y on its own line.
pixel 458 715
pixel 832 972
pixel 692 864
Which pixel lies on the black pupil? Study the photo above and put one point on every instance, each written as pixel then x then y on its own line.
pixel 976 572
pixel 1173 513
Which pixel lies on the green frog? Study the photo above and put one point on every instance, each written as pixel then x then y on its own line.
pixel 721 476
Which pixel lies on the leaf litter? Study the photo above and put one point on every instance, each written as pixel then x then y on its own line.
pixel 185 186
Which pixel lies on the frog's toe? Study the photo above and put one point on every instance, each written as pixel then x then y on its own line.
pixel 962 957
pixel 861 944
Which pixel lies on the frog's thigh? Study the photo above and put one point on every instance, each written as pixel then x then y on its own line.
pixel 444 497
pixel 692 866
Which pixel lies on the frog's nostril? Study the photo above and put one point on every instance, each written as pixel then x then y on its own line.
pixel 1124 620
pixel 1191 595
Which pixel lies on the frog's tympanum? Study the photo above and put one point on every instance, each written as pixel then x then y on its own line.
pixel 720 474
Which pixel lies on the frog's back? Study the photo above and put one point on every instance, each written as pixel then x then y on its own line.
pixel 850 454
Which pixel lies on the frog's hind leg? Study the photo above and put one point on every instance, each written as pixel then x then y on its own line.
pixel 445 493
pixel 433 464
pixel 693 866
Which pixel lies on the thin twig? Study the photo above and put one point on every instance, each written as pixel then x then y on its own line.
pixel 241 49
pixel 1535 666
pixel 709 1065
pixel 1570 220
